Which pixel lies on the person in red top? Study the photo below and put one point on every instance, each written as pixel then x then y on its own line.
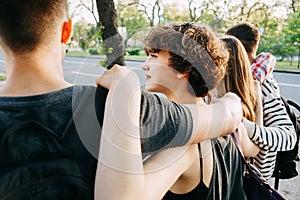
pixel 186 61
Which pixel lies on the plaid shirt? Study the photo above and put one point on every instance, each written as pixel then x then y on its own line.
pixel 263 66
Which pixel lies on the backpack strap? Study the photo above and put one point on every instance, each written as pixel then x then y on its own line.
pixel 294 104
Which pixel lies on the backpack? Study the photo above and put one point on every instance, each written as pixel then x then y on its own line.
pixel 36 164
pixel 285 167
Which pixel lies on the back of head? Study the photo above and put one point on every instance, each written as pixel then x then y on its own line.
pixel 195 50
pixel 238 78
pixel 26 24
pixel 247 33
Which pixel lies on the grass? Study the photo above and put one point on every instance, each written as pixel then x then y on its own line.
pixel 141 57
pixel 280 65
pixel 286 65
pixel 78 53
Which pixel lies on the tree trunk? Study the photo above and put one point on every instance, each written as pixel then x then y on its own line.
pixel 112 39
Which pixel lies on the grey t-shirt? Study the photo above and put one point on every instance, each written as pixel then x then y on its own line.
pixel 76 115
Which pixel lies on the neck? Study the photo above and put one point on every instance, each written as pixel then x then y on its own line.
pixel 251 57
pixel 37 73
pixel 182 95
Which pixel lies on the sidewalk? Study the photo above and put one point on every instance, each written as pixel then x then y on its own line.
pixel 2 83
pixel 289 188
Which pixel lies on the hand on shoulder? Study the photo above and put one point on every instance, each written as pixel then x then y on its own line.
pixel 117 75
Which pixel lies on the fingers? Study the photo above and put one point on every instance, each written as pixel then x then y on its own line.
pixel 112 76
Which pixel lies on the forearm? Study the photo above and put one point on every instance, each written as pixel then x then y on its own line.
pixel 217 119
pixel 120 168
pixel 248 147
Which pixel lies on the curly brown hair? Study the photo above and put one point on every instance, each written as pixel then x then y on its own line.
pixel 195 50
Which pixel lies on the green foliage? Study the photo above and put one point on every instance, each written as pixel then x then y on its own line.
pixel 2 77
pixel 110 50
pixel 94 52
pixel 85 34
pixel 77 53
pixel 170 16
pixel 133 51
pixel 132 19
pixel 103 63
pixel 280 36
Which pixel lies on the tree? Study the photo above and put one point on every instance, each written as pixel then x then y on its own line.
pixel 90 7
pixel 112 40
pixel 131 18
pixel 152 11
pixel 197 9
pixel 84 34
pixel 174 13
pixel 292 33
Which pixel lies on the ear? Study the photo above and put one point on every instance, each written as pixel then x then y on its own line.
pixel 66 31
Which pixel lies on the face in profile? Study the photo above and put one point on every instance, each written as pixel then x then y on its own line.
pixel 159 76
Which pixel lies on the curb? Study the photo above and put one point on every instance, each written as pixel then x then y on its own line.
pixel 2 83
pixel 287 71
pixel 134 60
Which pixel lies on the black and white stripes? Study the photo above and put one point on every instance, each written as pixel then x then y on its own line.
pixel 277 134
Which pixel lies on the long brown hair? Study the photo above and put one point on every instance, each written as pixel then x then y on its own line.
pixel 238 78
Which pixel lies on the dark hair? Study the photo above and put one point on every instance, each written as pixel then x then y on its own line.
pixel 247 33
pixel 195 50
pixel 25 24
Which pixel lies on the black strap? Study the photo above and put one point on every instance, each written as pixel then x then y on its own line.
pixel 201 162
pixel 237 142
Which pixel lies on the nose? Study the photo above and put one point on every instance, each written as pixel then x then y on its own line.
pixel 145 67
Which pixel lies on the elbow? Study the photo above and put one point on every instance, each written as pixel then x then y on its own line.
pixel 252 151
pixel 235 116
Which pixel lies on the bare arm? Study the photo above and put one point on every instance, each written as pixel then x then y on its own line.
pixel 249 148
pixel 119 162
pixel 217 119
pixel 210 121
pixel 120 171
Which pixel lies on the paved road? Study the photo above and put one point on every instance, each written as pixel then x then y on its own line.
pixel 85 70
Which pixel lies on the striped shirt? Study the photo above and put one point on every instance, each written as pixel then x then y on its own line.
pixel 277 132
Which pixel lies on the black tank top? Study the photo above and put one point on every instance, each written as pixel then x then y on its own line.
pixel 200 192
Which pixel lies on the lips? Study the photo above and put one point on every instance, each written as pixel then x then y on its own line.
pixel 148 76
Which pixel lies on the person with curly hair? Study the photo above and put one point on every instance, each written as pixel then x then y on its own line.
pixel 33 37
pixel 185 62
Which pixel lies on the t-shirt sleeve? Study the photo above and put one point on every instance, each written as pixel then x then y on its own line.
pixel 163 123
